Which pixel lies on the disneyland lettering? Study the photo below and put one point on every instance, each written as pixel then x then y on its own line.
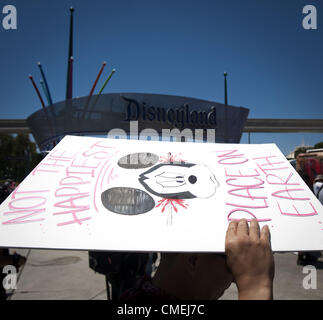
pixel 180 117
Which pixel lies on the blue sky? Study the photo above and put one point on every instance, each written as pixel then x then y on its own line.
pixel 178 47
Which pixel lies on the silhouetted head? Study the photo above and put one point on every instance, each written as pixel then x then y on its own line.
pixel 193 275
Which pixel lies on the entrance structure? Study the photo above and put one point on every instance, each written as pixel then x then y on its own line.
pixel 251 126
pixel 154 113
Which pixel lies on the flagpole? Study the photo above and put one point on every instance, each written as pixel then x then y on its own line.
pixel 225 89
pixel 226 130
pixel 70 54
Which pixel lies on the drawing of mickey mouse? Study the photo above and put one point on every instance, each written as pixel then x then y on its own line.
pixel 174 181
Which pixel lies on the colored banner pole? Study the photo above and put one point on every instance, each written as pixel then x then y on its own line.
pixel 37 91
pixel 106 81
pixel 99 94
pixel 45 91
pixel 42 102
pixel 97 78
pixel 92 90
pixel 50 101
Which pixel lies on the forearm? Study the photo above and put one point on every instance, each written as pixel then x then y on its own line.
pixel 250 259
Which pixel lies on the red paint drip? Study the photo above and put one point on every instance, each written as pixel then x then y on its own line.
pixel 171 158
pixel 171 202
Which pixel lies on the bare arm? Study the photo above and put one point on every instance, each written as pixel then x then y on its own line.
pixel 250 259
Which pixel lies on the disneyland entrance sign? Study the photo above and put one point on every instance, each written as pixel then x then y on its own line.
pixel 138 115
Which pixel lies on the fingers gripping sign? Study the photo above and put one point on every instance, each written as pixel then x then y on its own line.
pixel 250 259
pixel 254 231
pixel 242 228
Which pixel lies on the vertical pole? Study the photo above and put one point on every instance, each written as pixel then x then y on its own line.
pixel 70 54
pixel 70 91
pixel 107 80
pixel 37 91
pixel 45 91
pixel 226 140
pixel 48 95
pixel 42 103
pixel 97 78
pixel 225 89
pixel 50 101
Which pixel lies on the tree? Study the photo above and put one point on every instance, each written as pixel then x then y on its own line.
pixel 318 145
pixel 18 156
pixel 299 150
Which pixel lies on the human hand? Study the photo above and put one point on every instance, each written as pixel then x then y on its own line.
pixel 250 259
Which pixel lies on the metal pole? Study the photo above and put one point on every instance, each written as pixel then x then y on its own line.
pixel 226 131
pixel 225 89
pixel 70 54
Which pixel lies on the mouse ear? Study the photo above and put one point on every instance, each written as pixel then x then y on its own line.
pixel 139 160
pixel 128 201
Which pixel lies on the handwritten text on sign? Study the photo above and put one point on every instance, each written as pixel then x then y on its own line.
pixel 81 170
pixel 82 196
pixel 250 185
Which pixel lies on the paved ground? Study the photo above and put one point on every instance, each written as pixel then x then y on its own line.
pixel 57 274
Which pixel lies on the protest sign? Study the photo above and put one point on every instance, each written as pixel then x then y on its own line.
pixel 113 194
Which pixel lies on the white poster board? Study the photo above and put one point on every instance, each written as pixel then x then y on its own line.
pixel 105 194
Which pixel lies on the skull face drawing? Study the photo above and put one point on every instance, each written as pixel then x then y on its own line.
pixel 171 181
pixel 180 181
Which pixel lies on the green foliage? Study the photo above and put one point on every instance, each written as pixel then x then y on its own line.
pixel 18 156
pixel 300 150
pixel 318 145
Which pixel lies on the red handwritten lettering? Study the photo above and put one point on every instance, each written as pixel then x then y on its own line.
pixel 264 205
pixel 62 155
pixel 23 218
pixel 39 168
pixel 296 212
pixel 26 204
pixel 246 212
pixel 102 144
pixel 28 200
pixel 248 193
pixel 230 158
pixel 70 203
pixel 90 153
pixel 240 174
pixel 288 195
pixel 244 185
pixel 55 162
pixel 70 173
pixel 84 163
pixel 274 179
pixel 273 166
